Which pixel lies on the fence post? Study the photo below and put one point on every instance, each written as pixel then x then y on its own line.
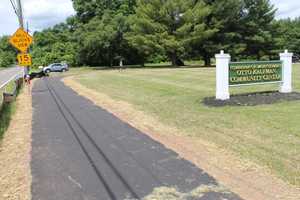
pixel 286 58
pixel 222 76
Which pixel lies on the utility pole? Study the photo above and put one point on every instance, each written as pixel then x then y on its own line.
pixel 27 27
pixel 21 22
pixel 20 14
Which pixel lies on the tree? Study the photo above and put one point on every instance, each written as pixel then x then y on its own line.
pixel 7 52
pixel 225 20
pixel 101 40
pixel 168 27
pixel 289 35
pixel 258 27
pixel 88 9
pixel 101 35
pixel 55 45
pixel 137 31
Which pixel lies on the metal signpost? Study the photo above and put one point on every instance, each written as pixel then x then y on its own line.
pixel 21 39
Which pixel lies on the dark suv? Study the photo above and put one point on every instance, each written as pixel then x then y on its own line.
pixel 56 67
pixel 296 58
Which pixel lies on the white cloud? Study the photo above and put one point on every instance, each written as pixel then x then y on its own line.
pixel 8 20
pixel 287 8
pixel 45 13
pixel 39 14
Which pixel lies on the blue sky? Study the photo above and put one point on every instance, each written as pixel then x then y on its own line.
pixel 287 8
pixel 39 13
pixel 44 13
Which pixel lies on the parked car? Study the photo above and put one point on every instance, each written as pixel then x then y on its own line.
pixel 56 67
pixel 296 58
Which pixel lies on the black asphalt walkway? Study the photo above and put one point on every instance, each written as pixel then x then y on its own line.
pixel 82 152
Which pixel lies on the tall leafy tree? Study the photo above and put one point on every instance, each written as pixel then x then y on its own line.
pixel 88 9
pixel 289 35
pixel 257 27
pixel 169 27
pixel 7 52
pixel 55 45
pixel 101 29
pixel 225 19
pixel 101 40
pixel 104 31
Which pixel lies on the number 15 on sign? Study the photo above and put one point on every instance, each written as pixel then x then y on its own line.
pixel 24 60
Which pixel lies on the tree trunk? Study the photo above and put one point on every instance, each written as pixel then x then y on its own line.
pixel 258 56
pixel 207 60
pixel 142 62
pixel 176 61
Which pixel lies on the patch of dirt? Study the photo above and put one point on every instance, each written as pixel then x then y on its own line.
pixel 166 193
pixel 253 99
pixel 244 178
pixel 15 173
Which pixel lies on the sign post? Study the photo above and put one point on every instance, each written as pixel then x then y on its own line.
pixel 19 13
pixel 286 58
pixel 222 73
pixel 21 40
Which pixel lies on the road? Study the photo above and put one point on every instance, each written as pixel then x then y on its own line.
pixel 7 74
pixel 82 152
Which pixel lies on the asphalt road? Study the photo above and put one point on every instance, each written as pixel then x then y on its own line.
pixel 7 74
pixel 82 152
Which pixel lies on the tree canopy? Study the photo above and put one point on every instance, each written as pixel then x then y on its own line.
pixel 170 27
pixel 103 32
pixel 7 52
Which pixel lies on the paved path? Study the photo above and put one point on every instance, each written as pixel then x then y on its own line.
pixel 7 74
pixel 82 152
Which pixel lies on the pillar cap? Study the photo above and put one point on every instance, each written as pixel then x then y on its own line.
pixel 222 55
pixel 286 54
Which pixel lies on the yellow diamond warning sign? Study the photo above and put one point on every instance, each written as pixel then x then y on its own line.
pixel 21 40
pixel 24 60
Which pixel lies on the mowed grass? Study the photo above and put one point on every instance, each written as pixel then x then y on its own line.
pixel 6 110
pixel 268 134
pixel 6 113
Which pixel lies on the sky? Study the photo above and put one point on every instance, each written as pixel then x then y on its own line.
pixel 45 13
pixel 39 14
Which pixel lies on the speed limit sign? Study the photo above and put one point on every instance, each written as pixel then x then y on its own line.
pixel 24 60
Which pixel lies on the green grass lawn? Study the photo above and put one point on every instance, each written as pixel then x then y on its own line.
pixel 6 110
pixel 6 113
pixel 268 135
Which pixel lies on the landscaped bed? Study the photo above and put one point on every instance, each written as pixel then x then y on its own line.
pixel 266 134
pixel 253 99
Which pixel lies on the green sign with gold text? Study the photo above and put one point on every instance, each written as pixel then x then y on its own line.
pixel 246 73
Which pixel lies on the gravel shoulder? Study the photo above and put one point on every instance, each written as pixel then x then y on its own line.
pixel 15 176
pixel 246 179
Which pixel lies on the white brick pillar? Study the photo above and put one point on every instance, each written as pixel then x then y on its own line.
pixel 286 58
pixel 222 76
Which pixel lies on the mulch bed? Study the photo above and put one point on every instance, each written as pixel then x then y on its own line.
pixel 253 99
